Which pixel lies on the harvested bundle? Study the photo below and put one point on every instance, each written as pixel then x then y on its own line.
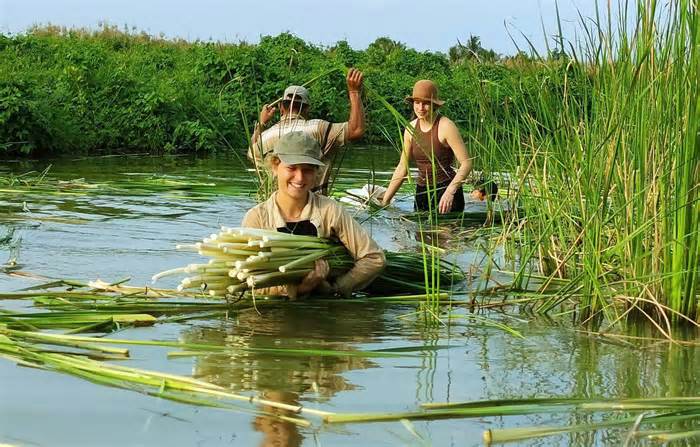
pixel 244 259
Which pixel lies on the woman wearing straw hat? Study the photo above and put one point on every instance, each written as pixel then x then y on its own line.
pixel 433 142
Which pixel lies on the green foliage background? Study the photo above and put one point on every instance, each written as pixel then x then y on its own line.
pixel 68 91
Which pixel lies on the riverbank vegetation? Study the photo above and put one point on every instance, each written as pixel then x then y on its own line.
pixel 609 178
pixel 72 90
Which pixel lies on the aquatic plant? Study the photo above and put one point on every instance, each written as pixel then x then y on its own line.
pixel 86 360
pixel 663 414
pixel 245 259
pixel 608 178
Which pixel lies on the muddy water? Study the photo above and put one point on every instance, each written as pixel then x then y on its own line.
pixel 124 218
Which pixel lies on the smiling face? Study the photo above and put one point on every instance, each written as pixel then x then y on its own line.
pixel 294 181
pixel 423 109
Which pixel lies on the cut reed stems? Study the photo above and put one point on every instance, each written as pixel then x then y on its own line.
pixel 273 259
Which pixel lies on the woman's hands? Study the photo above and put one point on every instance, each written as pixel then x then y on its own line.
pixel 446 200
pixel 314 278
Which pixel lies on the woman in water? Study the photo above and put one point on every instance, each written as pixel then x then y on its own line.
pixel 433 142
pixel 293 208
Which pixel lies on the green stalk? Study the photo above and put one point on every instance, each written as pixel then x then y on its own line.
pixel 311 257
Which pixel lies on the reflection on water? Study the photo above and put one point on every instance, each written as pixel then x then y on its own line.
pixel 294 326
pixel 284 378
pixel 129 213
pixel 278 433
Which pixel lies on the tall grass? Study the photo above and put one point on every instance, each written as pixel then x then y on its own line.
pixel 609 178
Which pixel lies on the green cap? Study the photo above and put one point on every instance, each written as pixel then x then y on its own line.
pixel 296 148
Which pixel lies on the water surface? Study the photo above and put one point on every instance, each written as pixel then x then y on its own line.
pixel 119 217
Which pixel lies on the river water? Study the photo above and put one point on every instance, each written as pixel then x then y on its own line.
pixel 119 217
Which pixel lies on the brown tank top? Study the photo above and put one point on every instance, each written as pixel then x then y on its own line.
pixel 426 148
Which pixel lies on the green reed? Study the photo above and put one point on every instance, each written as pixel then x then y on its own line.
pixel 608 177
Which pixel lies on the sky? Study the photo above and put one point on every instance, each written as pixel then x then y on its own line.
pixel 426 26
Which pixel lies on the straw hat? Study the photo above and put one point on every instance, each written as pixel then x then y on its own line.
pixel 425 90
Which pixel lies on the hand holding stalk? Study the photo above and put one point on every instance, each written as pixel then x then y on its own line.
pixel 266 114
pixel 314 278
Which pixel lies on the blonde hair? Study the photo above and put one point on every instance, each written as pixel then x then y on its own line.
pixel 271 160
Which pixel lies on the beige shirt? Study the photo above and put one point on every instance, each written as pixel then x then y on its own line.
pixel 330 137
pixel 331 220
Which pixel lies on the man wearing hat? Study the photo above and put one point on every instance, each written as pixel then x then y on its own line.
pixel 294 116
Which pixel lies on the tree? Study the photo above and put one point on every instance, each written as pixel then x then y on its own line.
pixel 472 51
pixel 383 49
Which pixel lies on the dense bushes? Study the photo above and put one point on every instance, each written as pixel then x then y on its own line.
pixel 71 90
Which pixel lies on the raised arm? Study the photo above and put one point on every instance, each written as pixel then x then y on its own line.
pixel 356 122
pixel 401 171
pixel 449 133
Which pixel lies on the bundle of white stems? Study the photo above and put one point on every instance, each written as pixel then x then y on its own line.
pixel 248 258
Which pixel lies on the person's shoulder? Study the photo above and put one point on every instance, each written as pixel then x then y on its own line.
pixel 258 210
pixel 328 206
pixel 257 207
pixel 410 128
pixel 446 122
pixel 447 128
pixel 252 214
pixel 270 135
pixel 325 201
pixel 318 121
